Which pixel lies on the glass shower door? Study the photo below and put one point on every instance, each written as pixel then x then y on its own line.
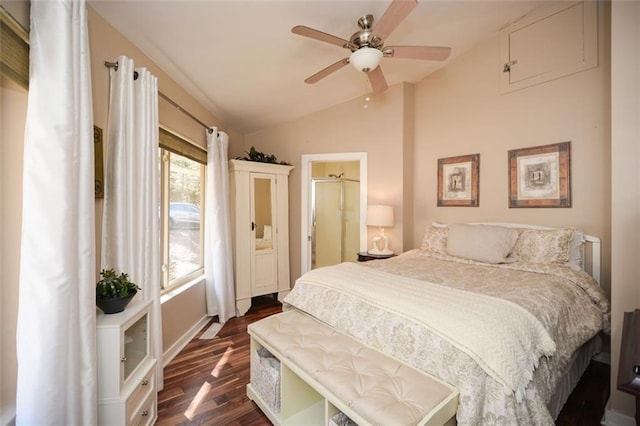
pixel 351 222
pixel 327 232
pixel 335 234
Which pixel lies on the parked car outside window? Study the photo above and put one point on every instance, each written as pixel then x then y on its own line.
pixel 184 215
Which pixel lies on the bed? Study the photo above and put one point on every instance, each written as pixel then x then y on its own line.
pixel 506 313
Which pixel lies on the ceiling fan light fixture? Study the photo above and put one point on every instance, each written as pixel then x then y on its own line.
pixel 365 59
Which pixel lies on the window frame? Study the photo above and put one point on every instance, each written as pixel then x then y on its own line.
pixel 164 154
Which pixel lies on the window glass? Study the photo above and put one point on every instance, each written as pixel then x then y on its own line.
pixel 183 182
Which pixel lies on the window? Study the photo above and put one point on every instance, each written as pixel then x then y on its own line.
pixel 182 212
pixel 14 54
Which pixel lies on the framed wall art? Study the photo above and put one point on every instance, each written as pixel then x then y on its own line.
pixel 540 176
pixel 459 181
pixel 98 164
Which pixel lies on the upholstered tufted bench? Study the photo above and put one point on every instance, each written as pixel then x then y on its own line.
pixel 321 373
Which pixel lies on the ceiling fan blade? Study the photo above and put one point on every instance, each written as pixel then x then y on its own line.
pixel 377 80
pixel 395 13
pixel 319 35
pixel 432 53
pixel 326 71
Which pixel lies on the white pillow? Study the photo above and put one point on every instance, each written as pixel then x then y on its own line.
pixel 482 243
pixel 267 232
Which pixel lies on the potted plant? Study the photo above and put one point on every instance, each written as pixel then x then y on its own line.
pixel 261 157
pixel 114 292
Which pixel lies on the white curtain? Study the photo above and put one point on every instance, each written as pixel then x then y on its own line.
pixel 130 227
pixel 56 308
pixel 218 266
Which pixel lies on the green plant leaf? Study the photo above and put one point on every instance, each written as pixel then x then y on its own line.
pixel 113 285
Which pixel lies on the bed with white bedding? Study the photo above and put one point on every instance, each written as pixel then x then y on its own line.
pixel 504 320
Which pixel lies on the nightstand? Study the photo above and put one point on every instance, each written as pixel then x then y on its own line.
pixel 364 256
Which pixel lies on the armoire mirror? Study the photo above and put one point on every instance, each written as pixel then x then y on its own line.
pixel 263 222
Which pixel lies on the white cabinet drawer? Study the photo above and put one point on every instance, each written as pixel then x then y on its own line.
pixel 145 414
pixel 140 392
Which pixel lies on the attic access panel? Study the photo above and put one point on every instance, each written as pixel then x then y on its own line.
pixel 550 44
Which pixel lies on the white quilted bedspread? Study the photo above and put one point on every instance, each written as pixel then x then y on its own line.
pixel 468 320
pixel 569 304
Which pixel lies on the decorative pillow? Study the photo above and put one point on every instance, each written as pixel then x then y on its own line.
pixel 483 243
pixel 544 246
pixel 435 239
pixel 267 232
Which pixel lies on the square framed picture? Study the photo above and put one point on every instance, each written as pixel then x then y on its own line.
pixel 459 181
pixel 540 176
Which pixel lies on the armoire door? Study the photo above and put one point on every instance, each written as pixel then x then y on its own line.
pixel 264 266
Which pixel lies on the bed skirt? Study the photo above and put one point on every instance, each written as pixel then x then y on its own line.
pixel 566 385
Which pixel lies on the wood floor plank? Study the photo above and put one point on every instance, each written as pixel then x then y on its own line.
pixel 206 382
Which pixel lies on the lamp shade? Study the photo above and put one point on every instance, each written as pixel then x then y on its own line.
pixel 365 59
pixel 379 215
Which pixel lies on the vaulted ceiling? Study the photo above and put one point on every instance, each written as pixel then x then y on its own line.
pixel 241 61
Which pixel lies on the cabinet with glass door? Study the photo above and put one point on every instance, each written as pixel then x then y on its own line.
pixel 126 385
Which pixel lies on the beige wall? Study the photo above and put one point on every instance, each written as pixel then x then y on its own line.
pixel 408 171
pixel 13 109
pixel 106 44
pixel 182 312
pixel 459 110
pixel 625 181
pixel 13 112
pixel 349 127
pixel 18 9
pixel 349 169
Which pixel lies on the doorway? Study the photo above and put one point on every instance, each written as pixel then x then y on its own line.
pixel 335 223
pixel 333 209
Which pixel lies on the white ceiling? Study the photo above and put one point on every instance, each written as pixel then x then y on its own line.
pixel 241 61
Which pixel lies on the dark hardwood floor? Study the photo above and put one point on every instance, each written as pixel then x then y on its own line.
pixel 206 383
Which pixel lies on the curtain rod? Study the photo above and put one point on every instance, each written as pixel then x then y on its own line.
pixel 114 65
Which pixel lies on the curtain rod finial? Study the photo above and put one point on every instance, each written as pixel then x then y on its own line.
pixel 113 65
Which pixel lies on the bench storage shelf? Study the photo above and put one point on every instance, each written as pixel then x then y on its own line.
pixel 305 373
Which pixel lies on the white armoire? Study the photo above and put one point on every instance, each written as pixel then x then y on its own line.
pixel 259 195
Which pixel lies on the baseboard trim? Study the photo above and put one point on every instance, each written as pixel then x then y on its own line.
pixel 614 418
pixel 175 349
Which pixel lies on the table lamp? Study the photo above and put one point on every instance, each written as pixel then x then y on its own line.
pixel 381 216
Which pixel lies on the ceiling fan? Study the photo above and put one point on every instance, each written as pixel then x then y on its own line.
pixel 367 45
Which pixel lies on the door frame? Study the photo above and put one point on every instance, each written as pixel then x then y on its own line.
pixel 305 205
